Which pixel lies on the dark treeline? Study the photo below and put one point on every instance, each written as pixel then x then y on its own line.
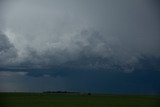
pixel 59 92
pixel 50 92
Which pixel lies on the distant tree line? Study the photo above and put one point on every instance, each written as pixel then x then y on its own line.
pixel 50 92
pixel 59 92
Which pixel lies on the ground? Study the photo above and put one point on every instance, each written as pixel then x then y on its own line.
pixel 76 100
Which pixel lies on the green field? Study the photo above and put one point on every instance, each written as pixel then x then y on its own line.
pixel 76 100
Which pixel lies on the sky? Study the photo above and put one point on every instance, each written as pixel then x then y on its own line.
pixel 102 46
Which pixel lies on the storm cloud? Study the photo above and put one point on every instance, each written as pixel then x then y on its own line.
pixel 8 52
pixel 104 34
pixel 110 46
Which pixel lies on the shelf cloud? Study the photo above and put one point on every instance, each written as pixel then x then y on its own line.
pixel 106 46
pixel 101 34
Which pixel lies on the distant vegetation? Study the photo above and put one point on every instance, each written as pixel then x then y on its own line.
pixel 59 92
pixel 67 92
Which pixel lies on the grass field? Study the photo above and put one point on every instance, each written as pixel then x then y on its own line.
pixel 76 100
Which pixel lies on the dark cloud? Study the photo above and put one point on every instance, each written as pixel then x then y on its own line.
pixel 80 45
pixel 105 82
pixel 7 51
pixel 110 35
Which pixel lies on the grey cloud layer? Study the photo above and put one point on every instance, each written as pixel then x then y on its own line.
pixel 7 51
pixel 104 33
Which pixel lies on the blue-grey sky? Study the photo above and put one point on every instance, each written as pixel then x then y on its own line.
pixel 110 46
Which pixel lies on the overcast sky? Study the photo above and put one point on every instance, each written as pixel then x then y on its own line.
pixel 56 43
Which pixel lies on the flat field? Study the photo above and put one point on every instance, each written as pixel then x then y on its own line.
pixel 76 100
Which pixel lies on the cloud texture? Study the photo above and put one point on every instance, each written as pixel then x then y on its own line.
pixel 104 34
pixel 80 45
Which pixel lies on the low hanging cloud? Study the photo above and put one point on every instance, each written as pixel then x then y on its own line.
pixel 10 73
pixel 8 52
pixel 84 34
